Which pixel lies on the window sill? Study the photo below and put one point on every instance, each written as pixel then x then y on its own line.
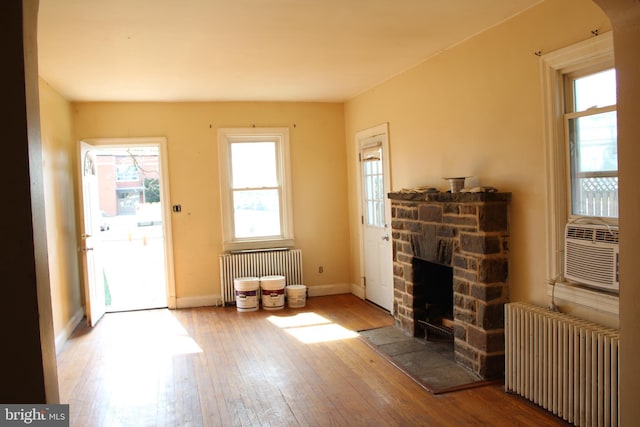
pixel 258 245
pixel 600 301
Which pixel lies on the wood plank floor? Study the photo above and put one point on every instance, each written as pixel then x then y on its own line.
pixel 219 367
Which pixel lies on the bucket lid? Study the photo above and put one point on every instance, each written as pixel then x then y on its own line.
pixel 268 281
pixel 246 283
pixel 245 279
pixel 296 287
pixel 263 278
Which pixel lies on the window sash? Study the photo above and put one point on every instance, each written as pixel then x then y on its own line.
pixel 254 219
pixel 254 164
pixel 590 193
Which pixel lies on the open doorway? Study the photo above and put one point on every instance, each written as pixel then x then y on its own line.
pixel 131 247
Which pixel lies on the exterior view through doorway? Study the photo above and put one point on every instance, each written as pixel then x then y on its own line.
pixel 132 228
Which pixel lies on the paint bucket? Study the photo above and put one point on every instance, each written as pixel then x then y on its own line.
pixel 272 292
pixel 246 293
pixel 296 296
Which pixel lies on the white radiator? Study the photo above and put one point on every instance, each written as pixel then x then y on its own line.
pixel 567 365
pixel 287 263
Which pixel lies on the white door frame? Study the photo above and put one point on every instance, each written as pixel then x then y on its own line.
pixel 360 140
pixel 161 143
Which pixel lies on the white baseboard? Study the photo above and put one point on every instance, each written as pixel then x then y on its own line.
pixel 358 290
pixel 202 301
pixel 68 329
pixel 333 289
pixel 172 302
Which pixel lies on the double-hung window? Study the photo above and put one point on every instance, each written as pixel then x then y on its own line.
pixel 579 90
pixel 255 188
pixel 591 139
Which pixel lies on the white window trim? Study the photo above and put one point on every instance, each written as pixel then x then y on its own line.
pixel 592 52
pixel 226 136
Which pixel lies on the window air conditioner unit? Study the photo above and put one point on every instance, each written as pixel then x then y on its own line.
pixel 591 255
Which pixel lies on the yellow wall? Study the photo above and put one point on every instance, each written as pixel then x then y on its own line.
pixel 476 110
pixel 58 158
pixel 318 169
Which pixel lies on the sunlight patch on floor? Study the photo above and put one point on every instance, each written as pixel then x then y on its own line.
pixel 149 334
pixel 141 356
pixel 298 320
pixel 177 340
pixel 312 328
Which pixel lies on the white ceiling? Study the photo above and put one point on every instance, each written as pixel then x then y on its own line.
pixel 239 50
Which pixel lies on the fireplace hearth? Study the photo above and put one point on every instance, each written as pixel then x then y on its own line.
pixel 468 235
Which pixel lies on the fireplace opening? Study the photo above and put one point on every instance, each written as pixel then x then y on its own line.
pixel 433 300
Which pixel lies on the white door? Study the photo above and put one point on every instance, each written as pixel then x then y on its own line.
pixel 376 216
pixel 90 238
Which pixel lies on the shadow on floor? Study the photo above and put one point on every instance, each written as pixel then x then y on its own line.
pixel 429 363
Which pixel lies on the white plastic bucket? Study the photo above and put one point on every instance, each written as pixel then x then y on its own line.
pixel 272 292
pixel 246 293
pixel 296 296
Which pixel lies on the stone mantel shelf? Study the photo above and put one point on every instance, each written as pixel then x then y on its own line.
pixel 448 197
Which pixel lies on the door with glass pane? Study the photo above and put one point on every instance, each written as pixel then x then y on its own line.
pixel 377 244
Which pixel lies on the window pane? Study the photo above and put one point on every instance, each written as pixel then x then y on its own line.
pixel 595 90
pixel 594 141
pixel 253 164
pixel 594 165
pixel 373 187
pixel 595 197
pixel 256 213
pixel 126 172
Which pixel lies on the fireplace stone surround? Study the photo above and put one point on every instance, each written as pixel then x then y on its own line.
pixel 470 233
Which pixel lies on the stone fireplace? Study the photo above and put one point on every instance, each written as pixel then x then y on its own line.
pixel 468 232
